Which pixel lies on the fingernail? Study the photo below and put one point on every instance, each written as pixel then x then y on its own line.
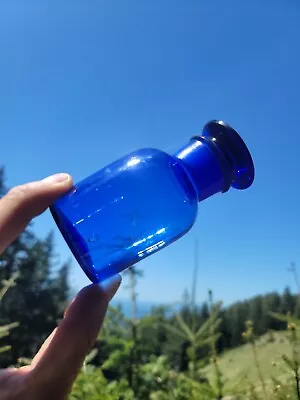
pixel 57 178
pixel 111 285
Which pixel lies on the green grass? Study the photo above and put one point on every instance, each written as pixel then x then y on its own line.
pixel 238 363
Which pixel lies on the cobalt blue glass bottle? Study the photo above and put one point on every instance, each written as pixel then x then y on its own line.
pixel 148 199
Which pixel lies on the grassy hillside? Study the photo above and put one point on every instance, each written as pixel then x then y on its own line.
pixel 239 364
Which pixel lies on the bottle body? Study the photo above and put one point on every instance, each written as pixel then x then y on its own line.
pixel 127 211
pixel 148 199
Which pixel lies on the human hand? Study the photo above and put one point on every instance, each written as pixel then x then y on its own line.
pixel 54 369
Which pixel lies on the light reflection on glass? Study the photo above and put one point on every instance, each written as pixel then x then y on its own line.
pixel 159 232
pixel 98 210
pixel 185 152
pixel 133 161
pixel 139 242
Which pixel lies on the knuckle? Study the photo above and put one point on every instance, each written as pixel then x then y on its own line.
pixel 19 193
pixel 19 199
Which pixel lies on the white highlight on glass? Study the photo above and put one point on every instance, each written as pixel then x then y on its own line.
pixel 133 161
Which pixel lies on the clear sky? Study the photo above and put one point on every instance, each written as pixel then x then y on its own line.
pixel 84 82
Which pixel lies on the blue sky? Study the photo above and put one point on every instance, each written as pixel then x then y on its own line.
pixel 84 82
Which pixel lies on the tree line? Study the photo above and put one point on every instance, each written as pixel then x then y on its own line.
pixel 38 297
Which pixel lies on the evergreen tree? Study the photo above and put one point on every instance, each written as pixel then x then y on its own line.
pixel 288 302
pixel 2 182
pixel 271 303
pixel 204 313
pixel 297 308
pixel 256 314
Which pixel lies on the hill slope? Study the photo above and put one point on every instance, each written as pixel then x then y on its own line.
pixel 239 363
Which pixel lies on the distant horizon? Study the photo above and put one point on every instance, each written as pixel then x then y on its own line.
pixel 144 307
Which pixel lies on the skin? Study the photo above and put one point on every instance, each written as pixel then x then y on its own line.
pixel 56 365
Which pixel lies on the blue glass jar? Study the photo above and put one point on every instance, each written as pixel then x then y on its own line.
pixel 148 199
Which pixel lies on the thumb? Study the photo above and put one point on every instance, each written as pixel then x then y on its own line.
pixel 60 358
pixel 22 203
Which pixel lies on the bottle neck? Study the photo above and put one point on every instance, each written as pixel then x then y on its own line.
pixel 209 170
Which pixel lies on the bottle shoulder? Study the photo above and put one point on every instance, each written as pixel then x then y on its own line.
pixel 148 153
pixel 145 167
pixel 140 159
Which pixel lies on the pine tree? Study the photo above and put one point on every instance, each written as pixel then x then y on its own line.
pixel 256 314
pixel 204 312
pixel 6 329
pixel 236 316
pixel 271 303
pixel 2 182
pixel 288 302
